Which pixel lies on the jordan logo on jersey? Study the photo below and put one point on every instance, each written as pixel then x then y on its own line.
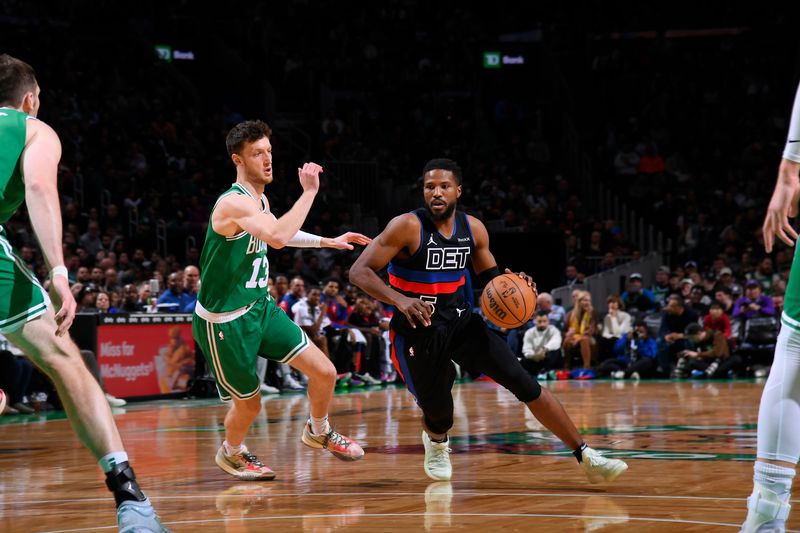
pixel 431 242
pixel 447 258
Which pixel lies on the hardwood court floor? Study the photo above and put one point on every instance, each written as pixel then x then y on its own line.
pixel 689 446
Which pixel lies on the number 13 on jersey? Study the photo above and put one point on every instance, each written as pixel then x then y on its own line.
pixel 261 282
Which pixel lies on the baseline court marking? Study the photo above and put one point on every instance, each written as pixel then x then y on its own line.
pixel 397 515
pixel 155 497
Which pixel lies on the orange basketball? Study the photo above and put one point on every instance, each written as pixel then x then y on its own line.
pixel 507 301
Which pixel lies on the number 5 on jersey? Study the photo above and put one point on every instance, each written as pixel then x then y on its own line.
pixel 431 300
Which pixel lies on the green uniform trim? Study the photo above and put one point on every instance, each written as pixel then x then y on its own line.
pixel 786 320
pixel 22 298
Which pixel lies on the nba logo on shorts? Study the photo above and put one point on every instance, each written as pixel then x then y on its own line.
pixel 411 351
pixel 221 336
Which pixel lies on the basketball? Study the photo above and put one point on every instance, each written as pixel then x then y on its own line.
pixel 507 301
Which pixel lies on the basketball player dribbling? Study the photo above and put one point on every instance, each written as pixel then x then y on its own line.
pixel 236 320
pixel 29 154
pixel 427 252
pixel 778 448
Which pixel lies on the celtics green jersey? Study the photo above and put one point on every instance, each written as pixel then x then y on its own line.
pixel 791 302
pixel 12 142
pixel 233 270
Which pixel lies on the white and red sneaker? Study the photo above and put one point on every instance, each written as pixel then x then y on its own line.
pixel 243 465
pixel 339 445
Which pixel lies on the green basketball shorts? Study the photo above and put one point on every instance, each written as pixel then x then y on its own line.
pixel 231 342
pixel 22 298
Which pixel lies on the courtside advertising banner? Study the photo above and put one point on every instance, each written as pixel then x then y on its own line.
pixel 145 359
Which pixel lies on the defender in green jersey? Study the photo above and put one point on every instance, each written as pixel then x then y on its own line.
pixel 29 155
pixel 236 321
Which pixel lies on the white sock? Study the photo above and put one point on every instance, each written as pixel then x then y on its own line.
pixel 109 461
pixel 777 479
pixel 319 426
pixel 233 450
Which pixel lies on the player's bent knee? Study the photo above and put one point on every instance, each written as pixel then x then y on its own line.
pixel 527 390
pixel 328 371
pixel 321 369
pixel 56 358
pixel 252 406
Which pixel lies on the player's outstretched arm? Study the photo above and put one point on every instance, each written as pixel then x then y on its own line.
pixel 345 241
pixel 236 212
pixel 393 240
pixel 40 168
pixel 301 239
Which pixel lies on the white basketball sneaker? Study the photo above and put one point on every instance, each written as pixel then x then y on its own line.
pixel 437 459
pixel 766 512
pixel 599 468
pixel 138 517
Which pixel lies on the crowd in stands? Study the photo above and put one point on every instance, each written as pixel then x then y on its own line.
pixel 143 145
pixel 689 323
pixel 146 156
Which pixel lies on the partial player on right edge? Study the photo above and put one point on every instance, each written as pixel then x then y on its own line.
pixel 779 414
pixel 427 251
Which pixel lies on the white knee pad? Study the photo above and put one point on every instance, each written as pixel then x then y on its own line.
pixel 779 413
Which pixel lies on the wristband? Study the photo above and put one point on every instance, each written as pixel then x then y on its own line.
pixel 302 239
pixel 488 275
pixel 59 270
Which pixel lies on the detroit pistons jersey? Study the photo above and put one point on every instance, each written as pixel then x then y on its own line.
pixel 437 272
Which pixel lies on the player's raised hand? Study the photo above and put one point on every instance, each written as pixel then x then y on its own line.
pixel 309 177
pixel 782 206
pixel 64 301
pixel 343 241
